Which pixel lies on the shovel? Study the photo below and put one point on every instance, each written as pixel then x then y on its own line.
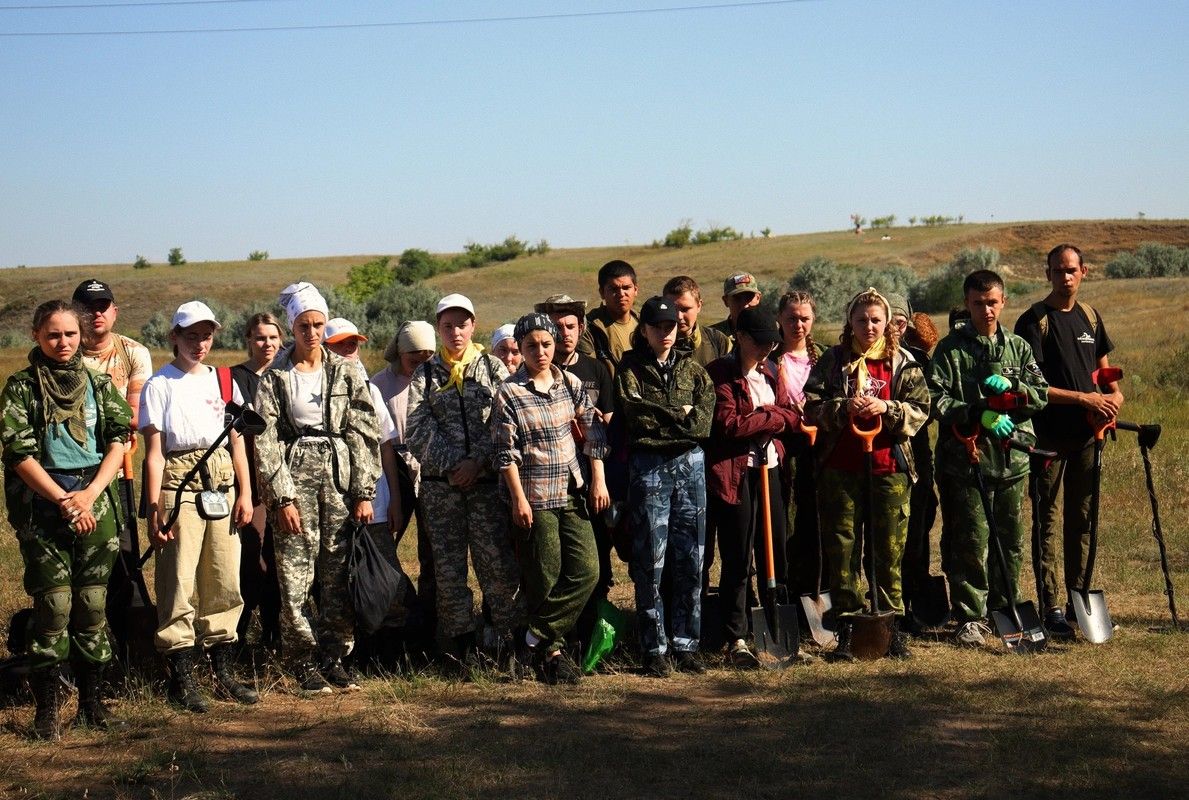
pixel 247 422
pixel 871 633
pixel 816 605
pixel 1018 625
pixel 774 624
pixel 1148 436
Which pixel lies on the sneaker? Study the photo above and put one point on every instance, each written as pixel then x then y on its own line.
pixel 688 661
pixel 1058 627
pixel 334 672
pixel 657 665
pixel 972 634
pixel 310 680
pixel 741 656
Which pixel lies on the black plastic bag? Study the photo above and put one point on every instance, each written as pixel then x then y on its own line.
pixel 375 583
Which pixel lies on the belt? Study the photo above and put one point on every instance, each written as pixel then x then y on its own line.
pixel 444 479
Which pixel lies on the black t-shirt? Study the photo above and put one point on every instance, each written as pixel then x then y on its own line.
pixel 249 383
pixel 596 378
pixel 1067 356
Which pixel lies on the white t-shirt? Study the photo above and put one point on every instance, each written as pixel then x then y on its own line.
pixel 761 395
pixel 387 434
pixel 186 408
pixel 305 397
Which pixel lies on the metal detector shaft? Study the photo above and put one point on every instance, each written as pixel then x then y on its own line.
pixel 1158 534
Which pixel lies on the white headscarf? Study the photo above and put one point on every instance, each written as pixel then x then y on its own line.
pixel 298 298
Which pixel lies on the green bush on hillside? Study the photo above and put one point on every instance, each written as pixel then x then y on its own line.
pixel 1150 260
pixel 942 288
pixel 258 255
pixel 364 280
pixel 833 285
pixel 175 257
pixel 141 262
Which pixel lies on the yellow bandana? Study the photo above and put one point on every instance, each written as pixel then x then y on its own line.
pixel 878 351
pixel 457 368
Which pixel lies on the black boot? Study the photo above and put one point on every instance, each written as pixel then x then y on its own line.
pixel 899 646
pixel 222 657
pixel 91 713
pixel 183 689
pixel 842 651
pixel 47 694
pixel 464 653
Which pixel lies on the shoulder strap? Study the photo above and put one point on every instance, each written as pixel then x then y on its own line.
pixel 122 349
pixel 1091 316
pixel 1041 312
pixel 224 376
pixel 490 369
pixel 428 372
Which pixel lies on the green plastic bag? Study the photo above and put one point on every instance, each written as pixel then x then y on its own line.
pixel 608 630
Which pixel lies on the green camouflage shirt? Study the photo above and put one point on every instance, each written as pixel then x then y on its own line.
pixel 653 411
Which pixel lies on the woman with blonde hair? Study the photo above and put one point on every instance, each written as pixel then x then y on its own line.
pixel 866 381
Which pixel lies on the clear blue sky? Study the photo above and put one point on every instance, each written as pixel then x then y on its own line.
pixel 581 131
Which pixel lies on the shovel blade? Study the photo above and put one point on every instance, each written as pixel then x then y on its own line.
pixel 1030 638
pixel 767 640
pixel 1093 618
pixel 819 615
pixel 871 636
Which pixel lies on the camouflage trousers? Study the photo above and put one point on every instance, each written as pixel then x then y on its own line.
pixel 971 568
pixel 320 551
pixel 474 520
pixel 842 500
pixel 66 575
pixel 667 502
pixel 197 574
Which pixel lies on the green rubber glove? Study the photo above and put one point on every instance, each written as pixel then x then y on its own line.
pixel 996 384
pixel 999 425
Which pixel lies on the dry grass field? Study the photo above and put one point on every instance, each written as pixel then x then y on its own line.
pixel 1093 720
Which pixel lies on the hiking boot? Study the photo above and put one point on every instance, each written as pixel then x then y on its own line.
pixel 310 680
pixel 972 634
pixel 47 694
pixel 656 665
pixel 183 688
pixel 1058 626
pixel 688 661
pixel 564 669
pixel 337 675
pixel 841 651
pixel 221 660
pixel 91 713
pixel 899 646
pixel 741 656
pixel 911 625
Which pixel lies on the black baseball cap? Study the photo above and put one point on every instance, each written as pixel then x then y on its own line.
pixel 657 310
pixel 760 324
pixel 91 290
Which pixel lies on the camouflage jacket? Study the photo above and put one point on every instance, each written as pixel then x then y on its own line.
pixel 22 428
pixel 961 362
pixel 653 411
pixel 444 427
pixel 826 398
pixel 347 416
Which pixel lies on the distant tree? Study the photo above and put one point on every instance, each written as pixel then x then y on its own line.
pixel 884 222
pixel 858 220
pixel 539 249
pixel 258 255
pixel 765 232
pixel 175 257
pixel 680 236
pixel 912 220
pixel 1141 215
pixel 141 262
pixel 415 265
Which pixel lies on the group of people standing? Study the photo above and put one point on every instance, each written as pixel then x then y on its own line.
pixel 582 434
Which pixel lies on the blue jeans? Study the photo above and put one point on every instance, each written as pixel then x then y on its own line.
pixel 667 499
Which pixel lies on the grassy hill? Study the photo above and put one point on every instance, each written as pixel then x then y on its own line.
pixel 503 291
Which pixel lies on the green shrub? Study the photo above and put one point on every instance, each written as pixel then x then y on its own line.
pixel 141 262
pixel 539 249
pixel 716 234
pixel 175 257
pixel 364 280
pixel 883 222
pixel 258 255
pixel 942 288
pixel 1150 260
pixel 679 236
pixel 833 285
pixel 416 265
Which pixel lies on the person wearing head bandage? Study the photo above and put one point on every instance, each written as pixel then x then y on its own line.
pixel 865 380
pixel 505 347
pixel 317 462
pixel 449 433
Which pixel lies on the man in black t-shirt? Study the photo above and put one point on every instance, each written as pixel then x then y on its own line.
pixel 1069 341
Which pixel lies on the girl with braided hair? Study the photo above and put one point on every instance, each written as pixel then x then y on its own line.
pixel 866 379
pixel 796 313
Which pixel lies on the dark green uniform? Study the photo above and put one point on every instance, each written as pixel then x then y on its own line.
pixel 65 574
pixel 961 362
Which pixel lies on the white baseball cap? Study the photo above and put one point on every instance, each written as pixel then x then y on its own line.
pixel 339 329
pixel 455 301
pixel 192 313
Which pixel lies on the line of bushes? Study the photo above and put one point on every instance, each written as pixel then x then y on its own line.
pixel 1150 260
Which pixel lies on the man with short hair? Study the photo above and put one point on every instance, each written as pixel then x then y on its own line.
pixel 128 364
pixel 1070 343
pixel 739 291
pixel 609 327
pixel 706 344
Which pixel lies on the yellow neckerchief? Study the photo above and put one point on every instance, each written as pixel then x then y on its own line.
pixel 878 351
pixel 695 337
pixel 458 367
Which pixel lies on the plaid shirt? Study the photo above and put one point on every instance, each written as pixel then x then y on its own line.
pixel 532 431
